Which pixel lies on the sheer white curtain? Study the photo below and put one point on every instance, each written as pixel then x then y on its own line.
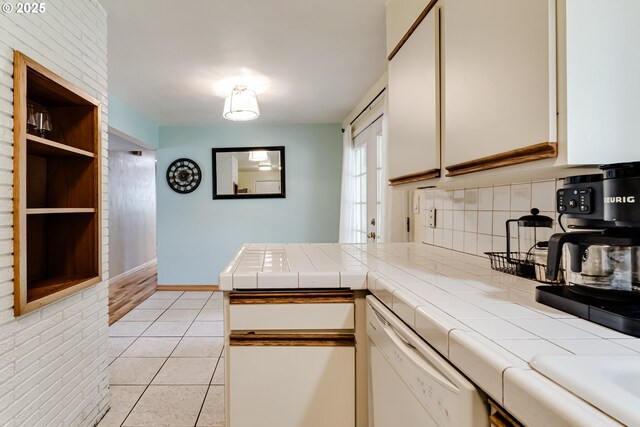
pixel 347 193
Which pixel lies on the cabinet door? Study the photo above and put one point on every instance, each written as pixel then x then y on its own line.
pixel 414 140
pixel 602 84
pixel 289 386
pixel 498 77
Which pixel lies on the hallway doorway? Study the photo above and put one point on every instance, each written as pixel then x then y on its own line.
pixel 132 223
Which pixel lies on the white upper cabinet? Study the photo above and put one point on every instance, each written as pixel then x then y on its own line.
pixel 498 79
pixel 414 140
pixel 602 80
pixel 401 14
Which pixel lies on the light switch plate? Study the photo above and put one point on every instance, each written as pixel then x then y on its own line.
pixel 431 218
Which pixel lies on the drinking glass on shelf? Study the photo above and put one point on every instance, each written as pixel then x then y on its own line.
pixel 43 123
pixel 46 122
pixel 32 120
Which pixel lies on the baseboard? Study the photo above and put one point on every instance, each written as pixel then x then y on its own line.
pixel 134 270
pixel 206 288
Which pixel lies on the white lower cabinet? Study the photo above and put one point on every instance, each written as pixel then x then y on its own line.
pixel 291 359
pixel 292 386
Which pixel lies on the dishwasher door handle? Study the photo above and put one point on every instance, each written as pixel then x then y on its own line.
pixel 418 358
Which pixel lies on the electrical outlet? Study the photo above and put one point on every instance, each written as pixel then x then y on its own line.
pixel 431 218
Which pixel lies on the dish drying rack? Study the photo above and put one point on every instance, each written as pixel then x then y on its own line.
pixel 520 264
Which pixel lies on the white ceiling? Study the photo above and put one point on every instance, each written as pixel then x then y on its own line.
pixel 310 61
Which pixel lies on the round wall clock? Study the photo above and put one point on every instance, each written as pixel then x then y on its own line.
pixel 183 176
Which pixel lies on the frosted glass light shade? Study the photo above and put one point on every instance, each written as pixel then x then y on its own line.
pixel 264 168
pixel 241 105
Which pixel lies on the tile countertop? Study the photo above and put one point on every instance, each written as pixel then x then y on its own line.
pixel 486 323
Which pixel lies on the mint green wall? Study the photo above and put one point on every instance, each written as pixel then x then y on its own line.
pixel 128 120
pixel 198 236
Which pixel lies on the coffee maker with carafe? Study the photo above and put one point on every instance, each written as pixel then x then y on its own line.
pixel 601 253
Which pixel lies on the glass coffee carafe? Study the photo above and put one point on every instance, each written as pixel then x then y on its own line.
pixel 602 266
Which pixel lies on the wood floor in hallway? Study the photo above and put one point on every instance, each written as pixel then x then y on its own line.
pixel 127 292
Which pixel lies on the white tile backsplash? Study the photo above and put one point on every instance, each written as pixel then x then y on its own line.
pixel 471 199
pixel 499 220
pixel 521 197
pixel 485 244
pixel 447 239
pixel 470 243
pixel 458 220
pixel 447 219
pixel 485 199
pixel 485 222
pixel 448 200
pixel 458 240
pixel 472 220
pixel 502 198
pixel 540 192
pixel 458 200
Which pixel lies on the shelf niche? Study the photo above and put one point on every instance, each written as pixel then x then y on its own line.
pixel 57 189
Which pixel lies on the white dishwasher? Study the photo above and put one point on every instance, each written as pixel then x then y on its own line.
pixel 410 384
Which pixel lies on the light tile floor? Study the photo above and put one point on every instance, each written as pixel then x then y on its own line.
pixel 166 366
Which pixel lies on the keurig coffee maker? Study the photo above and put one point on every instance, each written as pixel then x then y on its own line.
pixel 601 251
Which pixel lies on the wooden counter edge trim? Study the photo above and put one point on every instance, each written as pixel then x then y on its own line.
pixel 203 288
pixel 293 340
pixel 411 29
pixel 415 177
pixel 544 150
pixel 326 297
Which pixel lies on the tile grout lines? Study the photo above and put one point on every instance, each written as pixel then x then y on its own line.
pixel 146 387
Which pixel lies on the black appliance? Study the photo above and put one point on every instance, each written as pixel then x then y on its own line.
pixel 602 252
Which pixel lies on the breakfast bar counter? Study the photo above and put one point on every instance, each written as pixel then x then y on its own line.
pixel 486 323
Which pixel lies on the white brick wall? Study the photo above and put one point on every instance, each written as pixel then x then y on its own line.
pixel 53 369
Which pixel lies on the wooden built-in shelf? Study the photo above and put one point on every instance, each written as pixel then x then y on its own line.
pixel 47 148
pixel 43 292
pixel 57 189
pixel 47 211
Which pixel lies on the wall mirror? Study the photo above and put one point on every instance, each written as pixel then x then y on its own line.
pixel 248 172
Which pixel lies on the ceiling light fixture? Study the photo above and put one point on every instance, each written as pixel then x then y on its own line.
pixel 264 168
pixel 258 156
pixel 241 105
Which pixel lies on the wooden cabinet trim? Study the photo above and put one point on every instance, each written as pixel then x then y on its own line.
pixel 413 27
pixel 19 182
pixel 415 177
pixel 304 297
pixel 293 340
pixel 544 150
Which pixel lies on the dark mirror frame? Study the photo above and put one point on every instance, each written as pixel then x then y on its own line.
pixel 280 195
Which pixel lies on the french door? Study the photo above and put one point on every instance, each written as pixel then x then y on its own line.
pixel 368 175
